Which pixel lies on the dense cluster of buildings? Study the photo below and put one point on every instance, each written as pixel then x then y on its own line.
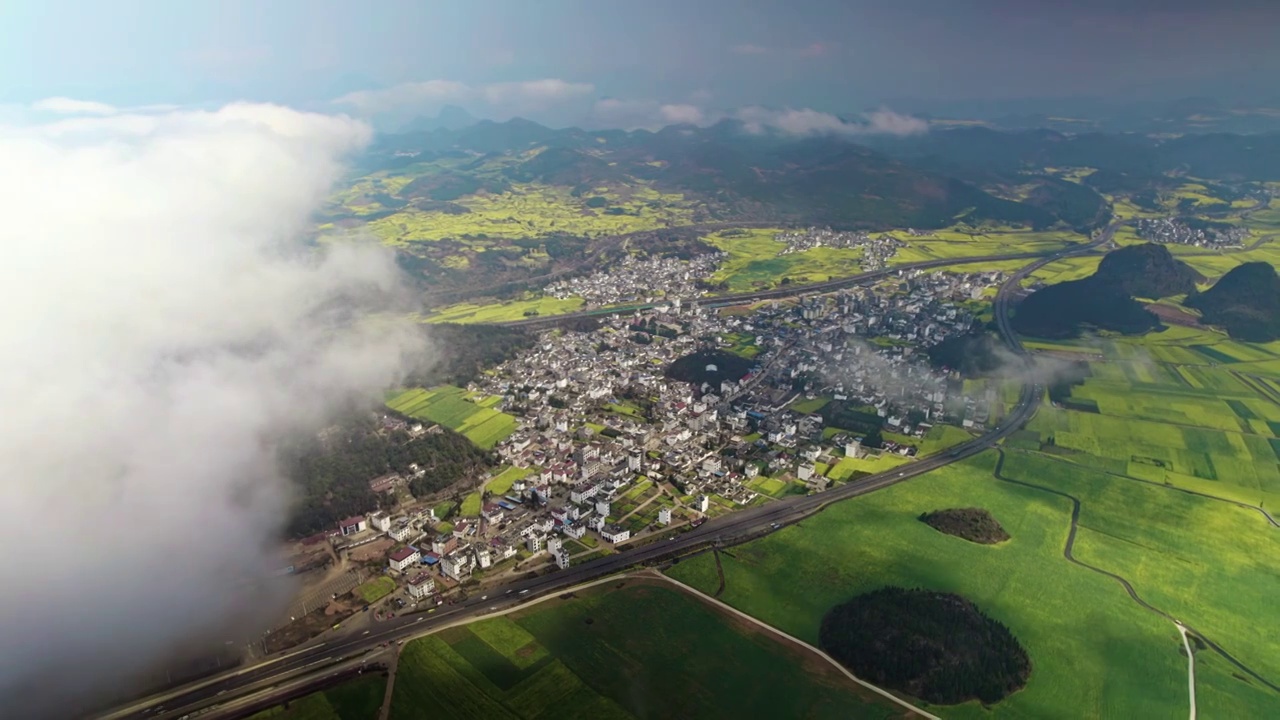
pixel 1179 232
pixel 876 251
pixel 632 280
pixel 616 449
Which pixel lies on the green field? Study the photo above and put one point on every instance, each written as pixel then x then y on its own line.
pixel 810 406
pixel 1095 653
pixel 457 410
pixel 505 312
pixel 471 505
pixel 608 654
pixel 755 260
pixel 357 699
pixel 501 483
pixel 525 210
pixel 958 243
pixel 375 589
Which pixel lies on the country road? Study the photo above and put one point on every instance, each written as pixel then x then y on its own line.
pixel 318 656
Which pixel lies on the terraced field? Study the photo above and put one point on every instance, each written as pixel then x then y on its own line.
pixel 607 654
pixel 457 410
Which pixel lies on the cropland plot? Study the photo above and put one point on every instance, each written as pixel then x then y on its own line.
pixel 871 464
pixel 1127 663
pixel 768 486
pixel 457 410
pixel 1209 563
pixel 607 654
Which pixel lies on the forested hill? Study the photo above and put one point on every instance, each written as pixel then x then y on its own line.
pixel 1147 271
pixel 1245 302
pixel 1105 300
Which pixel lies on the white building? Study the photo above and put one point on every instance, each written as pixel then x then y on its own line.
pixel 353 525
pixel 483 557
pixel 664 516
pixel 534 543
pixel 401 532
pixel 615 534
pixel 421 586
pixel 554 544
pixel 456 565
pixel 852 448
pixel 703 503
pixel 562 558
pixel 603 507
pixel 403 558
pixel 381 521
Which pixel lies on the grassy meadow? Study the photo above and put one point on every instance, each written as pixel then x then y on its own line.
pixel 606 653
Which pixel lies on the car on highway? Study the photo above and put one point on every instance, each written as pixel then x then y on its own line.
pixel 484 597
pixel 522 592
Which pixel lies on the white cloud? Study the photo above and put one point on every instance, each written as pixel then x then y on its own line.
pixel 682 114
pixel 71 106
pixel 888 122
pixel 534 93
pixel 502 98
pixel 164 329
pixel 805 121
pixel 646 114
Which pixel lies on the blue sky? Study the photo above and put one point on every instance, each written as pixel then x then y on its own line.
pixel 831 56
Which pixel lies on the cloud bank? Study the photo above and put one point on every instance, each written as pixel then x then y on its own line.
pixel 812 122
pixel 164 328
pixel 653 115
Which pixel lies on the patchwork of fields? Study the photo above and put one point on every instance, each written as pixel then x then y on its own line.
pixel 1184 407
pixel 608 654
pixel 459 411
pixel 1095 653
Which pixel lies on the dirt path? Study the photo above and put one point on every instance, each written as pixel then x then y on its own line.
pixel 1068 553
pixel 719 572
pixel 391 683
pixel 774 632
pixel 1191 669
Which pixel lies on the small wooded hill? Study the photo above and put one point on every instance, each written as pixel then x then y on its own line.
pixel 1245 302
pixel 1147 271
pixel 931 645
pixel 972 524
pixel 1105 300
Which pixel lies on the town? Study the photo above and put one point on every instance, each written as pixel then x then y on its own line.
pixel 876 251
pixel 633 280
pixel 660 418
pixel 1180 232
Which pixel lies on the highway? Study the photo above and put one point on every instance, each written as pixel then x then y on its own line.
pixel 316 658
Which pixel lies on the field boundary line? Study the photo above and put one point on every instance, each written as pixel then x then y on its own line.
pixel 1069 547
pixel 797 641
pixel 1238 503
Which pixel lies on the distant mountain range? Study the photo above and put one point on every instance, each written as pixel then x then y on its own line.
pixel 738 174
pixel 970 152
